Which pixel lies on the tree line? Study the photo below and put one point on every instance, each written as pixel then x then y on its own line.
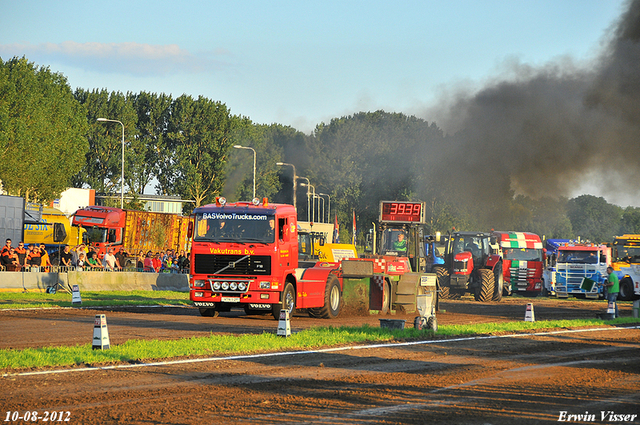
pixel 50 139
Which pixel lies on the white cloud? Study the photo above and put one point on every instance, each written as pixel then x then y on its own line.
pixel 122 58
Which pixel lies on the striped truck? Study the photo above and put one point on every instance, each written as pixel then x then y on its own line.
pixel 522 262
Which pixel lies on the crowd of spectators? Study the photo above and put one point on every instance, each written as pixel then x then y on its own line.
pixel 85 257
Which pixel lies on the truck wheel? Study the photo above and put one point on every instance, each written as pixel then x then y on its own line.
pixel 208 312
pixel 484 292
pixel 626 289
pixel 332 298
pixel 287 301
pixel 498 278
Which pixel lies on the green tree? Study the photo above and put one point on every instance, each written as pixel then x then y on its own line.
pixel 42 131
pixel 198 140
pixel 146 151
pixel 593 218
pixel 103 166
pixel 630 221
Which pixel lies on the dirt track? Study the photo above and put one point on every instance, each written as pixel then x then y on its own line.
pixel 488 380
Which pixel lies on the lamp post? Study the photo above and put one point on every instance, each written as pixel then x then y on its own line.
pixel 254 166
pixel 122 173
pixel 313 209
pixel 307 184
pixel 294 180
pixel 328 206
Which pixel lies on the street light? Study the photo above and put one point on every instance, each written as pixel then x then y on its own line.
pixel 294 180
pixel 254 166
pixel 313 210
pixel 328 206
pixel 122 174
pixel 307 184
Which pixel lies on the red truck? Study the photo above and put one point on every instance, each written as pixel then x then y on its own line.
pixel 245 254
pixel 132 231
pixel 522 261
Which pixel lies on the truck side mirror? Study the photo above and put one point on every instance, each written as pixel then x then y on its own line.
pixel 190 230
pixel 59 232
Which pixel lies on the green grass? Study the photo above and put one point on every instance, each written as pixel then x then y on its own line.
pixel 15 300
pixel 221 345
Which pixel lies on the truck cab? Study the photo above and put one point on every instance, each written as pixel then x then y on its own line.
pixel 580 270
pixel 243 255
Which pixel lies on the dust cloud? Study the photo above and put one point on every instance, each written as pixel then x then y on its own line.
pixel 542 130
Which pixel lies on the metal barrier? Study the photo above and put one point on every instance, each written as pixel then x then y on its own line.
pixel 65 269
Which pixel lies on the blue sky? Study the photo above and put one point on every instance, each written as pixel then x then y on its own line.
pixel 300 63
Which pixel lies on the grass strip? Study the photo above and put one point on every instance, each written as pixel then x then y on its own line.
pixel 21 300
pixel 219 345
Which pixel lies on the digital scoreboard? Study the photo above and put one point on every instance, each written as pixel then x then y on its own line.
pixel 401 212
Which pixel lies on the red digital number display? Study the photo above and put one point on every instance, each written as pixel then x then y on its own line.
pixel 404 212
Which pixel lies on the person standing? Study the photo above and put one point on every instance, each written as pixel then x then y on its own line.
pixel 45 262
pixel 65 257
pixel 109 260
pixel 613 288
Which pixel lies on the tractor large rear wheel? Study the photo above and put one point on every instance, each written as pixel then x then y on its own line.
pixel 498 278
pixel 484 292
pixel 443 282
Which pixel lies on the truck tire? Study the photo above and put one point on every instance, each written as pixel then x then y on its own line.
pixel 208 312
pixel 332 298
pixel 498 278
pixel 484 292
pixel 287 301
pixel 442 280
pixel 626 289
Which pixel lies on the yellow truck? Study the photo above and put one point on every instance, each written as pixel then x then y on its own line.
pixel 625 259
pixel 43 231
pixel 315 242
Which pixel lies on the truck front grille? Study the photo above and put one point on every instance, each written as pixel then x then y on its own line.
pixel 232 264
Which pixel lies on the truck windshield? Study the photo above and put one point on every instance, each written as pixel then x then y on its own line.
pixel 476 245
pixel 96 234
pixel 522 254
pixel 580 257
pixel 629 252
pixel 394 242
pixel 235 227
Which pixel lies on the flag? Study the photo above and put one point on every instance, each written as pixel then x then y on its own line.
pixel 353 239
pixel 336 230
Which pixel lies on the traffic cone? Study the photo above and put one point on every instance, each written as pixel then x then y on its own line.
pixel 75 297
pixel 529 316
pixel 100 333
pixel 284 325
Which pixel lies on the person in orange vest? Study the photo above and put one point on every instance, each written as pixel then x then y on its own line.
pixel 34 258
pixel 6 250
pixel 46 263
pixel 22 254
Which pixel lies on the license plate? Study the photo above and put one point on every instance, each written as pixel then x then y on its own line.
pixel 230 300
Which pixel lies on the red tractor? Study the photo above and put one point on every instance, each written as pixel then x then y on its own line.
pixel 471 265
